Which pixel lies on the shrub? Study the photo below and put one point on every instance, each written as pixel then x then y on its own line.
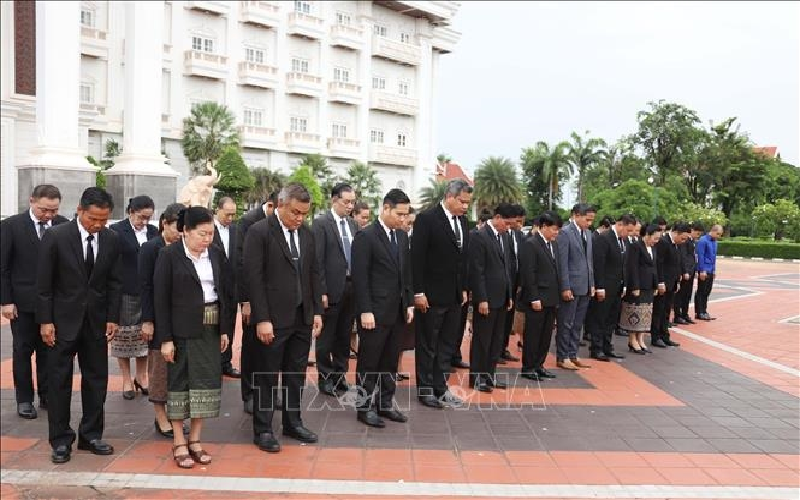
pixel 764 249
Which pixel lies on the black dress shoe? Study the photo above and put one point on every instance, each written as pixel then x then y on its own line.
pixel 599 356
pixel 301 434
pixel 327 387
pixel 704 317
pixel 482 387
pixel 402 376
pixel 658 343
pixel 614 355
pixel 96 446
pixel 231 372
pixel 430 402
pixel 502 361
pixel 496 384
pixel 460 365
pixel 582 343
pixel 371 419
pixel 26 410
pixel 128 395
pixel 266 442
pixel 671 343
pixel 688 320
pixel 530 375
pixel 542 373
pixel 248 406
pixel 342 386
pixel 393 415
pixel 169 433
pixel 679 321
pixel 449 399
pixel 508 356
pixel 61 454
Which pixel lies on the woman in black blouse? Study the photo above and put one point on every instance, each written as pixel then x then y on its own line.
pixel 641 283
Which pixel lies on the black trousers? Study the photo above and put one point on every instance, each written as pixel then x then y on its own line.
pixel 247 361
pixel 227 354
pixel 436 336
pixel 537 337
pixel 457 358
pixel 662 304
pixel 92 354
pixel 703 291
pixel 287 355
pixel 26 342
pixel 508 325
pixel 378 351
pixel 332 347
pixel 487 343
pixel 682 298
pixel 602 319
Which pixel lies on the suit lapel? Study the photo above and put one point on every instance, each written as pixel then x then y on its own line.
pixel 487 231
pixel 449 228
pixel 334 230
pixel 102 238
pixel 277 233
pixel 77 247
pixel 381 235
pixel 187 262
pixel 215 267
pixel 31 229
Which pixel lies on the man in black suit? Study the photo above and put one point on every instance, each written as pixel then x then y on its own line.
pixel 79 288
pixel 438 254
pixel 384 305
pixel 608 254
pixel 286 307
pixel 333 236
pixel 668 265
pixel 20 237
pixel 539 295
pixel 248 329
pixel 225 239
pixel 689 266
pixel 515 237
pixel 491 286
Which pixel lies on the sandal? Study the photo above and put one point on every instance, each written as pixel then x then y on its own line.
pixel 184 461
pixel 200 456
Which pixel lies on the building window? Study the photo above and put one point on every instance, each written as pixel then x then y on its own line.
pixel 87 18
pixel 302 7
pixel 253 117
pixel 379 30
pixel 299 65
pixel 376 136
pixel 203 43
pixel 403 88
pixel 341 75
pixel 339 131
pixel 254 55
pixel 87 93
pixel 378 82
pixel 405 38
pixel 298 124
pixel 401 139
pixel 343 18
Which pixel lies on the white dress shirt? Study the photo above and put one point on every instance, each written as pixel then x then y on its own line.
pixel 288 238
pixel 451 221
pixel 225 236
pixel 36 221
pixel 339 226
pixel 386 230
pixel 205 271
pixel 141 236
pixel 95 241
pixel 496 234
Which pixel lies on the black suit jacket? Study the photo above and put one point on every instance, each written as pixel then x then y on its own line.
pixel 178 294
pixel 382 283
pixel 513 261
pixel 247 220
pixel 130 254
pixel 330 255
pixel 609 268
pixel 19 254
pixel 688 259
pixel 640 273
pixel 66 294
pixel 668 262
pixel 147 268
pixel 489 274
pixel 232 259
pixel 272 277
pixel 440 267
pixel 538 274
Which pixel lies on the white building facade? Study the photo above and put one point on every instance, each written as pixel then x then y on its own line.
pixel 351 80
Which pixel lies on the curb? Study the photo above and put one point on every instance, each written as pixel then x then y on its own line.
pixel 725 257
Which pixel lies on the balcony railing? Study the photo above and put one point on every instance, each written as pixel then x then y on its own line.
pixel 257 136
pixel 94 42
pixel 302 142
pixel 343 147
pixel 219 8
pixel 205 64
pixel 91 107
pixel 394 103
pixel 404 53
pixel 344 92
pixel 303 84
pixel 260 13
pixel 346 36
pixel 380 153
pixel 306 25
pixel 258 75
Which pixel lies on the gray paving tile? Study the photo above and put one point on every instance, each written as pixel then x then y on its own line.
pixel 733 446
pixel 777 445
pixel 691 445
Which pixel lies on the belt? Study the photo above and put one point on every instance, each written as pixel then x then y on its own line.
pixel 211 313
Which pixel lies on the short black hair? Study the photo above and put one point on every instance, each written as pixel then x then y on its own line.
pixel 191 217
pixel 505 210
pixel 627 219
pixel 649 229
pixel 98 197
pixel 225 199
pixel 519 210
pixel 273 197
pixel 411 210
pixel 660 221
pixel 340 188
pixel 359 206
pixel 46 191
pixel 169 215
pixel 138 203
pixel 681 227
pixel 549 218
pixel 607 221
pixel 698 227
pixel 583 209
pixel 485 215
pixel 395 197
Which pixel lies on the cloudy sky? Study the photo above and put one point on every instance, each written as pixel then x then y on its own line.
pixel 530 71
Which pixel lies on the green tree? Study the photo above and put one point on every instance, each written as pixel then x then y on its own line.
pixel 432 194
pixel 303 175
pixel 365 182
pixel 555 167
pixel 207 132
pixel 112 150
pixel 694 213
pixel 322 172
pixel 496 182
pixel 235 177
pixel 584 154
pixel 782 181
pixel 780 219
pixel 535 184
pixel 265 182
pixel 618 163
pixel 637 197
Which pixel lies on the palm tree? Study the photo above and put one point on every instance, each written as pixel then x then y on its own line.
pixel 496 182
pixel 432 194
pixel 266 182
pixel 208 130
pixel 583 155
pixel 555 165
pixel 322 172
pixel 442 159
pixel 365 182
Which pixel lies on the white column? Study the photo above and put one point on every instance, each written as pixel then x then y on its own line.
pixel 283 61
pixel 424 84
pixel 326 73
pixel 141 144
pixel 365 78
pixel 235 52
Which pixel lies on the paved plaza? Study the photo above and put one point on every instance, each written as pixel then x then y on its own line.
pixel 718 417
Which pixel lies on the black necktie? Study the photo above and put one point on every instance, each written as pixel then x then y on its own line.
pixel 550 249
pixel 393 241
pixel 583 238
pixel 621 246
pixel 42 228
pixel 457 231
pixel 511 248
pixel 500 242
pixel 89 255
pixel 297 266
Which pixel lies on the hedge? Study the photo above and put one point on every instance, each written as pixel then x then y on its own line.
pixel 765 249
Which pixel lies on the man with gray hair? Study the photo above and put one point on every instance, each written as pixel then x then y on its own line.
pixel 439 262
